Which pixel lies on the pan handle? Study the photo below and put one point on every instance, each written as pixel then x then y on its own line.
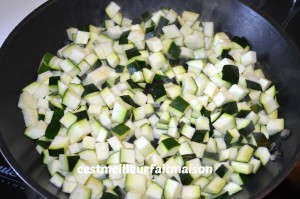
pixel 296 5
pixel 295 8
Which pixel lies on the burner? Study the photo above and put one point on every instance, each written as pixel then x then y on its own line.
pixel 11 186
pixel 10 183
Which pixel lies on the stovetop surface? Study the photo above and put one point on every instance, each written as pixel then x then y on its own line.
pixel 286 13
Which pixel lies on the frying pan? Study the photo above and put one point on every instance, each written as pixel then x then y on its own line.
pixel 44 31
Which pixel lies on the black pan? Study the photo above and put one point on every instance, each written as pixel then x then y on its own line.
pixel 44 31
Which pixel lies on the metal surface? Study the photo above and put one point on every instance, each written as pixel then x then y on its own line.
pixel 44 31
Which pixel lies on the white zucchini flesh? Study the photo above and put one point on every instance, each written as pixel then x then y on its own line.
pixel 114 96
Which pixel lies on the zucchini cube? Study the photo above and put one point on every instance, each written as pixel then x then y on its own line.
pixel 241 167
pixel 245 126
pixel 136 182
pixel 96 187
pixel 58 146
pixel 187 131
pixel 190 191
pixel 172 189
pixel 215 186
pixel 168 147
pixel 224 123
pixel 231 136
pixel 224 172
pixel 144 146
pixel 121 131
pixel 154 190
pixel 263 154
pixel 244 153
pixel 157 60
pixel 120 111
pixel 230 73
pixel 178 106
pixel 127 156
pixel 81 191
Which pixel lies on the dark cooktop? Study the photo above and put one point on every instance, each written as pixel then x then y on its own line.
pixel 286 14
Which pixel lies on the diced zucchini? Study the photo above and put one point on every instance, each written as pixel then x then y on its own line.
pixel 245 153
pixel 78 130
pixel 230 73
pixel 136 182
pixel 189 86
pixel 102 151
pixel 114 159
pixel 232 136
pixel 127 156
pixel 112 9
pixel 154 44
pixel 158 92
pixel 275 126
pixel 171 31
pixel 178 106
pixel 68 162
pixel 259 139
pixel 232 188
pixel 168 147
pixel 57 179
pixel 172 189
pixel 172 49
pixel 190 191
pixel 224 123
pixel 166 81
pixel 243 168
pixel 68 119
pixel 113 59
pixel 30 117
pixel 248 58
pixel 120 111
pixel 81 176
pixel 238 91
pixel 98 76
pixel 211 146
pixel 215 186
pixel 96 187
pixel 89 156
pixel 81 191
pixel 121 131
pixel 244 126
pixel 36 130
pixel 222 98
pixel 253 85
pixel 224 171
pixel 263 154
pixel 268 102
pixel 157 60
pixel 185 149
pixel 201 136
pixel 239 42
pixel 239 178
pixel 210 158
pixel 144 146
pixel 71 99
pixel 109 195
pixel 154 191
pixel 187 131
